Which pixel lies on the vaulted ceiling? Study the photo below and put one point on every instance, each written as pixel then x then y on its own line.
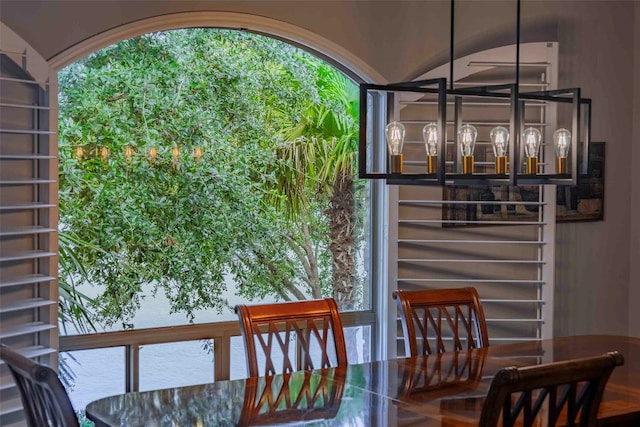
pixel 400 39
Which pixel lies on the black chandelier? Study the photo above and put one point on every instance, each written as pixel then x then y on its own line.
pixel 516 148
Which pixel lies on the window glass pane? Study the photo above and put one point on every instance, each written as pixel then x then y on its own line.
pixel 159 232
pixel 95 374
pixel 359 345
pixel 238 359
pixel 176 364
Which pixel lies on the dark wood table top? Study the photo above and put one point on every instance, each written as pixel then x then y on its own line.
pixel 438 390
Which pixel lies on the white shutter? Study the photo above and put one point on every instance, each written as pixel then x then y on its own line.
pixel 28 213
pixel 500 242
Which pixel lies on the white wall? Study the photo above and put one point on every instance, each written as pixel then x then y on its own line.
pixel 634 276
pixel 592 259
pixel 401 40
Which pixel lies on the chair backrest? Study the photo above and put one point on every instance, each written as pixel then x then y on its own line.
pixel 306 334
pixel 569 393
pixel 441 320
pixel 44 399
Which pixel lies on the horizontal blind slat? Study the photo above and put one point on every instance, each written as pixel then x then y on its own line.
pixel 26 157
pixel 26 206
pixel 26 231
pixel 27 132
pixel 26 280
pixel 26 106
pixel 27 256
pixel 489 261
pixel 27 304
pixel 453 221
pixel 27 182
pixel 25 329
pixel 467 280
pixel 483 242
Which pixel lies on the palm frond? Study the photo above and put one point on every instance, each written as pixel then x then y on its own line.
pixel 74 306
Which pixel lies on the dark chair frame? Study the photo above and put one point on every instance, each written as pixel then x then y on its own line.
pixel 44 398
pixel 573 390
pixel 298 317
pixel 461 299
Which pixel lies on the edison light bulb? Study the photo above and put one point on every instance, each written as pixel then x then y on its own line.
pixel 467 135
pixel 467 139
pixel 500 142
pixel 562 142
pixel 395 137
pixel 430 136
pixel 531 138
pixel 395 140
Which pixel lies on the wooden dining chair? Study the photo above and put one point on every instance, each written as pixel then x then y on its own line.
pixel 305 334
pixel 43 397
pixel 568 392
pixel 437 321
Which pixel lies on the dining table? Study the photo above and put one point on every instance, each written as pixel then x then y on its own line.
pixel 446 389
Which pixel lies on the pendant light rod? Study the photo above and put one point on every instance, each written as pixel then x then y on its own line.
pixel 518 45
pixel 452 26
pixel 452 39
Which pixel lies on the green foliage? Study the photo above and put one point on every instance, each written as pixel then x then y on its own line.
pixel 318 161
pixel 83 420
pixel 189 227
pixel 322 144
pixel 74 307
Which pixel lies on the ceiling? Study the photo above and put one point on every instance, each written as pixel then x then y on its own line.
pixel 400 39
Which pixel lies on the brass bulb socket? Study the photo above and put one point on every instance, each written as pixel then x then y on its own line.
pixel 467 165
pixel 395 163
pixel 532 165
pixel 431 164
pixel 562 164
pixel 501 165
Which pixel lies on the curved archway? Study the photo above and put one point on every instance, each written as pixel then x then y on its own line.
pixel 336 55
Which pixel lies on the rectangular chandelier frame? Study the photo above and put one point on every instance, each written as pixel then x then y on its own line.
pixel 515 172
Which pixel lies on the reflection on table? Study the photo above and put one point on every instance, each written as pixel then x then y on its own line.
pixel 310 397
pixel 438 375
pixel 305 396
pixel 436 390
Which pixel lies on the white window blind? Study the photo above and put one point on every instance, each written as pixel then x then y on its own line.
pixel 497 239
pixel 28 215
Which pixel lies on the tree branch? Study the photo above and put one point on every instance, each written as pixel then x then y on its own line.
pixel 288 284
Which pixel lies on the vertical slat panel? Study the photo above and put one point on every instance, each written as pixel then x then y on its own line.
pixel 28 217
pixel 504 246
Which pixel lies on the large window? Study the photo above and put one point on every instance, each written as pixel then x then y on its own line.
pixel 200 169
